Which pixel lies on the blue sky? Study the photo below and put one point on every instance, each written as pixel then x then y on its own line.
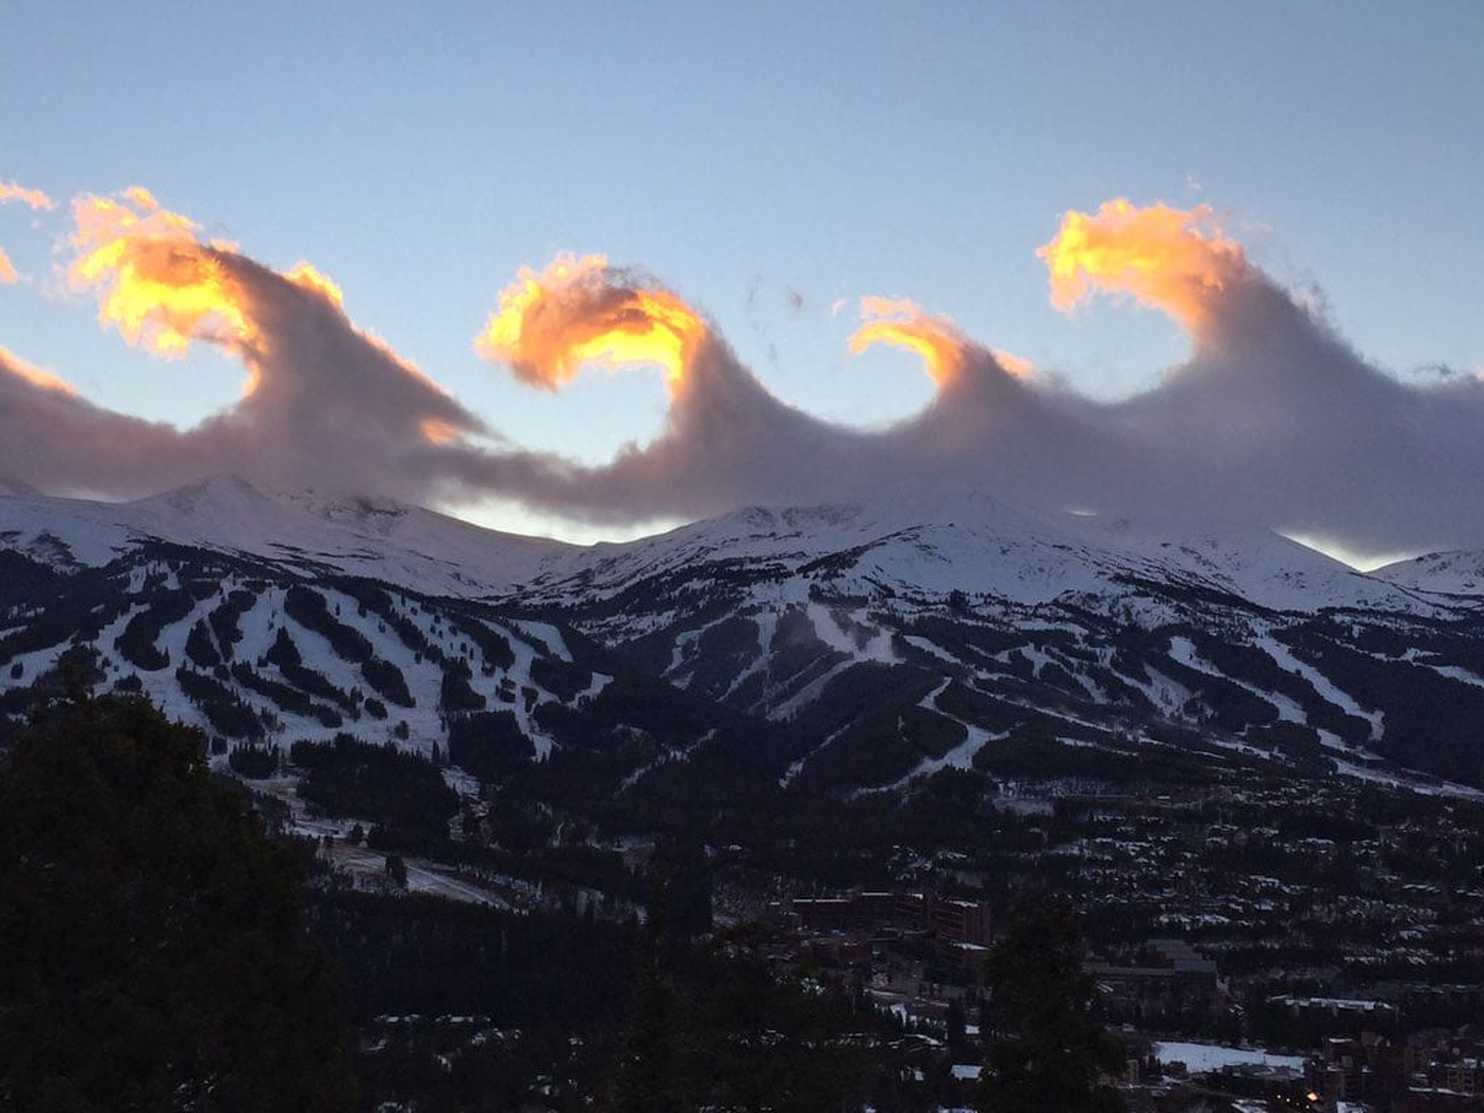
pixel 746 154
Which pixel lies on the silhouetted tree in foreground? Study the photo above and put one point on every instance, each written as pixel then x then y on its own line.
pixel 1045 1049
pixel 152 954
pixel 649 1062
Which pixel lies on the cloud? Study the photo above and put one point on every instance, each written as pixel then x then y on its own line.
pixel 1170 259
pixel 727 440
pixel 941 345
pixel 323 404
pixel 35 198
pixel 8 275
pixel 1272 421
pixel 580 311
pixel 942 348
pixel 35 376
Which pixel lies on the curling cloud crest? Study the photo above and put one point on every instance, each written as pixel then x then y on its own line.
pixel 1272 421
pixel 322 402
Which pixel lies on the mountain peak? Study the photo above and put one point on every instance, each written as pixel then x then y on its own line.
pixel 214 490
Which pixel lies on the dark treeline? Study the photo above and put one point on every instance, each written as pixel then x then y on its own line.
pixel 270 985
pixel 347 777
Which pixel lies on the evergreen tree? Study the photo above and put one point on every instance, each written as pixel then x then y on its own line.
pixel 647 1077
pixel 680 890
pixel 396 870
pixel 152 954
pixel 1045 1050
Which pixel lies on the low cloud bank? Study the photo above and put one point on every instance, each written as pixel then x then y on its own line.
pixel 1273 421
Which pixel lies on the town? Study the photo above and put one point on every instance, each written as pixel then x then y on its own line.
pixel 1255 944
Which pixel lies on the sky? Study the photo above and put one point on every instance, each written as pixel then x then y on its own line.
pixel 764 162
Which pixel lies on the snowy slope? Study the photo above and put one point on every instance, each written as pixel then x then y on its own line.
pixel 1459 572
pixel 893 638
pixel 928 543
pixel 372 537
pixel 965 540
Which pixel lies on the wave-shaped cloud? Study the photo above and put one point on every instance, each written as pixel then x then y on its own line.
pixel 1272 421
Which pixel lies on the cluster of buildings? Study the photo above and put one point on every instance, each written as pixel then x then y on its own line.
pixel 1172 975
pixel 1442 1073
pixel 1437 1072
pixel 948 918
pixel 948 934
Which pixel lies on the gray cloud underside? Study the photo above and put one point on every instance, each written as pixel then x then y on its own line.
pixel 1274 421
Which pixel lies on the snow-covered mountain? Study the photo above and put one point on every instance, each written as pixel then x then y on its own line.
pixel 832 648
pixel 1458 572
pixel 972 543
pixel 314 531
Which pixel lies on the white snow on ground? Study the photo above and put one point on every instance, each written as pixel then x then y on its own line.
pixel 1159 689
pixel 520 675
pixel 373 537
pixel 767 626
pixel 960 757
pixel 546 632
pixel 903 554
pixel 1285 659
pixel 877 648
pixel 680 651
pixel 1183 650
pixel 665 758
pixel 601 680
pixel 1453 672
pixel 1458 572
pixel 806 694
pixel 423 876
pixel 1401 780
pixel 829 630
pixel 259 624
pixel 923 542
pixel 794 769
pixel 424 680
pixel 160 686
pixel 919 642
pixel 1201 1057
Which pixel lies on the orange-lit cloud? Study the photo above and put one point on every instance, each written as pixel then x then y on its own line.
pixel 903 324
pixel 156 281
pixel 312 278
pixel 439 432
pixel 10 191
pixel 1018 367
pixel 36 376
pixel 8 276
pixel 1166 258
pixel 579 310
pixel 1273 420
pixel 142 198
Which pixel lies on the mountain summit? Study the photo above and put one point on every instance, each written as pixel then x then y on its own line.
pixel 842 648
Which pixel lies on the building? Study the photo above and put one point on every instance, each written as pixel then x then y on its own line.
pixel 1177 976
pixel 947 919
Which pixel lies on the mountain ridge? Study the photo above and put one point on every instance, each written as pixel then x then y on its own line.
pixel 859 646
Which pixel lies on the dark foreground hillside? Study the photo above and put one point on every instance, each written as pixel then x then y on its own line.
pixel 162 948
